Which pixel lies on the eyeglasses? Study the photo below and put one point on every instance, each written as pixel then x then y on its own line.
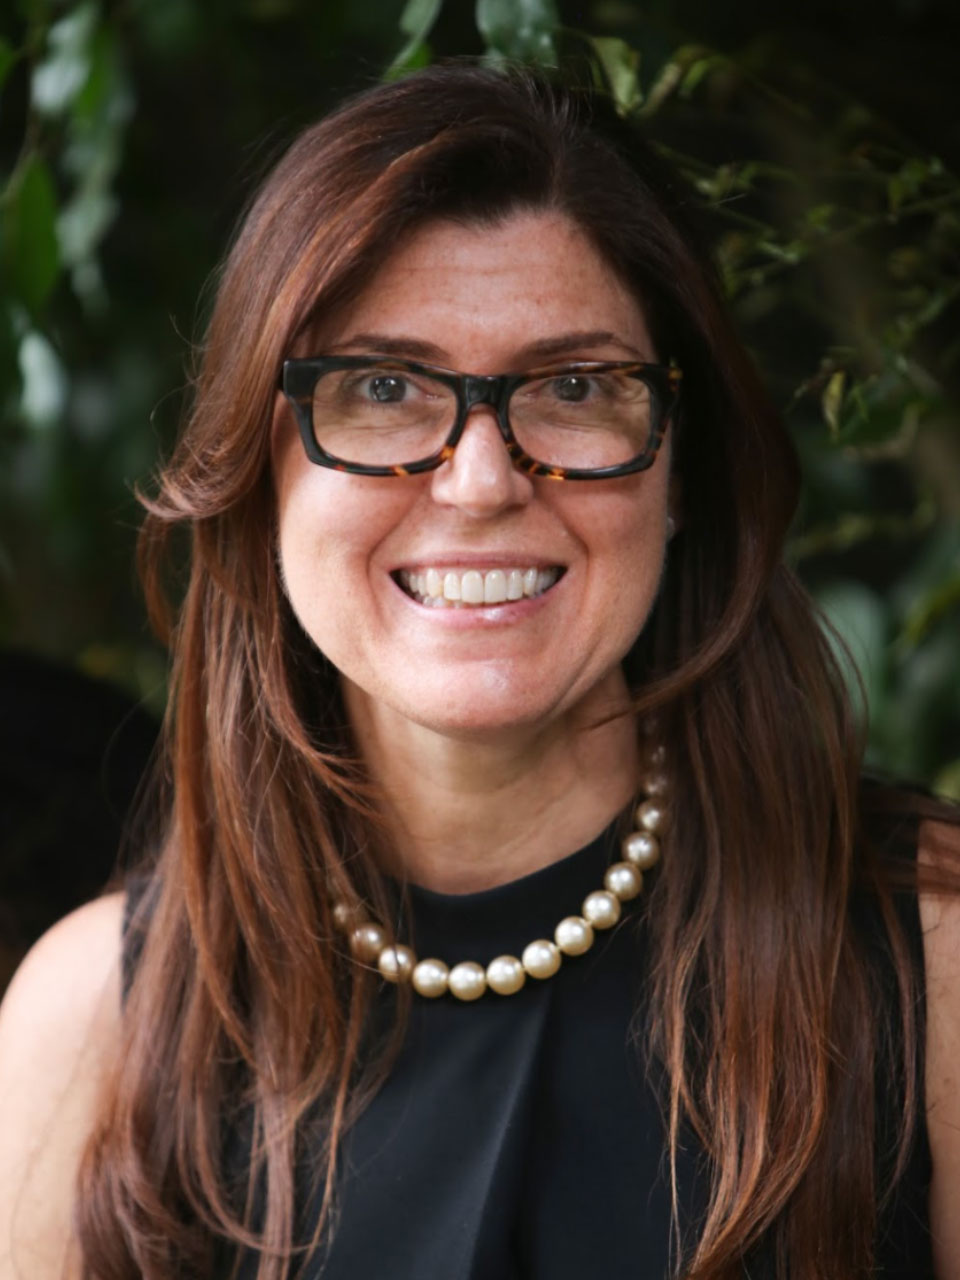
pixel 379 416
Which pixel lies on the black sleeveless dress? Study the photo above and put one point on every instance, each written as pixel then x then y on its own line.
pixel 517 1138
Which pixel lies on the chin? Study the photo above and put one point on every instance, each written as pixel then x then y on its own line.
pixel 471 721
pixel 473 710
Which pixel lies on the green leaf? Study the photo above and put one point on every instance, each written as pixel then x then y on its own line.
pixel 82 224
pixel 522 29
pixel 8 57
pixel 698 71
pixel 61 75
pixel 31 256
pixel 44 391
pixel 819 216
pixel 881 408
pixel 790 252
pixel 929 609
pixel 667 82
pixel 416 22
pixel 852 528
pixel 910 179
pixel 418 18
pixel 414 57
pixel 833 399
pixel 621 66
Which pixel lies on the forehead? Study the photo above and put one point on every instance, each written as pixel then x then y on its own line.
pixel 494 288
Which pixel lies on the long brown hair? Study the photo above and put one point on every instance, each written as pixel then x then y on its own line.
pixel 244 1016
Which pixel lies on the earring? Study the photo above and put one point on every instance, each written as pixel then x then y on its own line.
pixel 671 527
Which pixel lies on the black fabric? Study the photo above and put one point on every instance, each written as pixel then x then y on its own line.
pixel 517 1138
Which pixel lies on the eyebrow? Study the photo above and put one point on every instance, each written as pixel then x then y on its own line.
pixel 542 349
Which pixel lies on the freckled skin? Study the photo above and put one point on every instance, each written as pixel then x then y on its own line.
pixel 479 296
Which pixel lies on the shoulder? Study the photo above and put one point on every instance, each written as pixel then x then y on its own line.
pixel 59 1032
pixel 939 850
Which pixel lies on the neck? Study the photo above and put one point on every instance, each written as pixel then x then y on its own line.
pixel 468 814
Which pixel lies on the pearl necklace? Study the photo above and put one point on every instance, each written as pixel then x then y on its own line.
pixel 574 935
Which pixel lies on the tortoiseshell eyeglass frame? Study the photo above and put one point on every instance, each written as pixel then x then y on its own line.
pixel 300 376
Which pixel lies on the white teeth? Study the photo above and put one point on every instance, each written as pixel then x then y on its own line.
pixel 495 587
pixel 449 588
pixel 471 587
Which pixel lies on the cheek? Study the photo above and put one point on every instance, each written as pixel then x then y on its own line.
pixel 629 560
pixel 303 534
pixel 318 542
pixel 330 526
pixel 321 567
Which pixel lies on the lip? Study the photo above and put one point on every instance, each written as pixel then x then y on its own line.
pixel 475 560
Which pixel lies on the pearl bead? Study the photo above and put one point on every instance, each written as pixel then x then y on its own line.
pixel 624 880
pixel 573 936
pixel 652 817
pixel 642 849
pixel 505 975
pixel 467 981
pixel 541 959
pixel 430 978
pixel 655 785
pixel 601 908
pixel 396 963
pixel 656 755
pixel 345 915
pixel 367 941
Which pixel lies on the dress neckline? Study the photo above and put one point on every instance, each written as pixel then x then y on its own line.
pixel 481 925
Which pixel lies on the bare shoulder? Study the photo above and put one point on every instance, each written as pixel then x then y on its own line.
pixel 940 920
pixel 59 1031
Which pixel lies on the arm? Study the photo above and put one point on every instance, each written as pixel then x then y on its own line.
pixel 940 919
pixel 59 1029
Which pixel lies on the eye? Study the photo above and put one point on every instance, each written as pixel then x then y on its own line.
pixel 386 388
pixel 572 388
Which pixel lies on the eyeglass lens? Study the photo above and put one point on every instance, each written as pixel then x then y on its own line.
pixel 385 416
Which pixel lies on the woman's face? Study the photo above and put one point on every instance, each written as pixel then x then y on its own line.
pixel 529 292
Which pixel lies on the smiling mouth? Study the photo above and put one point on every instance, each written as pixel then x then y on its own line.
pixel 460 588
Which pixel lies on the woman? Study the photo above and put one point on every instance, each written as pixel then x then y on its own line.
pixel 486 511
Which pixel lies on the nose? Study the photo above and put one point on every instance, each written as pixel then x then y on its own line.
pixel 480 479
